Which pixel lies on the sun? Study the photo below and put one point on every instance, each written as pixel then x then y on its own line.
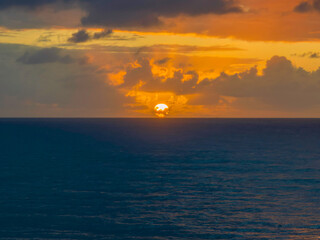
pixel 161 110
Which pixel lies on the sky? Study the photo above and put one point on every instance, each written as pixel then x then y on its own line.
pixel 120 58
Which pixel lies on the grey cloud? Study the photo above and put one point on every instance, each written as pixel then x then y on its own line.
pixel 44 17
pixel 54 90
pixel 315 55
pixel 141 73
pixel 281 86
pixel 163 61
pixel 308 6
pixel 153 83
pixel 145 13
pixel 308 54
pixel 84 36
pixel 19 18
pixel 80 36
pixel 129 13
pixel 102 34
pixel 303 7
pixel 48 55
pixel 30 4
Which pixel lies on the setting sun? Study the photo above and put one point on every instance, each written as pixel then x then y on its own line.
pixel 161 110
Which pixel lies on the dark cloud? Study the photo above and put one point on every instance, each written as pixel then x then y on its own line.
pixel 31 4
pixel 314 55
pixel 308 6
pixel 46 55
pixel 308 54
pixel 84 36
pixel 137 13
pixel 40 16
pixel 162 61
pixel 303 7
pixel 144 13
pixel 80 36
pixel 103 34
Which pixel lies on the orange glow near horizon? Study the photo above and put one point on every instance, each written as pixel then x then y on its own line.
pixel 233 64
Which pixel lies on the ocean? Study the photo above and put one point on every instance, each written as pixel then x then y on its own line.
pixel 159 179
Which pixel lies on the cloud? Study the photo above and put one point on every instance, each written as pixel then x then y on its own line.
pixel 84 36
pixel 281 86
pixel 80 36
pixel 47 16
pixel 103 34
pixel 46 55
pixel 314 55
pixel 217 17
pixel 145 13
pixel 303 7
pixel 163 61
pixel 308 54
pixel 128 13
pixel 20 3
pixel 150 82
pixel 60 89
pixel 63 90
pixel 134 75
pixel 308 6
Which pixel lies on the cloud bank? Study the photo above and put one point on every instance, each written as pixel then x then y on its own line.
pixel 281 86
pixel 144 13
pixel 51 82
pixel 128 13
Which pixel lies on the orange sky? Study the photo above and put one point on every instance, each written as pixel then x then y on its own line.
pixel 202 61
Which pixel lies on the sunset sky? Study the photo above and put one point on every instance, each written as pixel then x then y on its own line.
pixel 120 58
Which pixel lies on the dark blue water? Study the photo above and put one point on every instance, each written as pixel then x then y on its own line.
pixel 160 179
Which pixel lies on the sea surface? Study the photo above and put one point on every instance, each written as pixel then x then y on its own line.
pixel 159 179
